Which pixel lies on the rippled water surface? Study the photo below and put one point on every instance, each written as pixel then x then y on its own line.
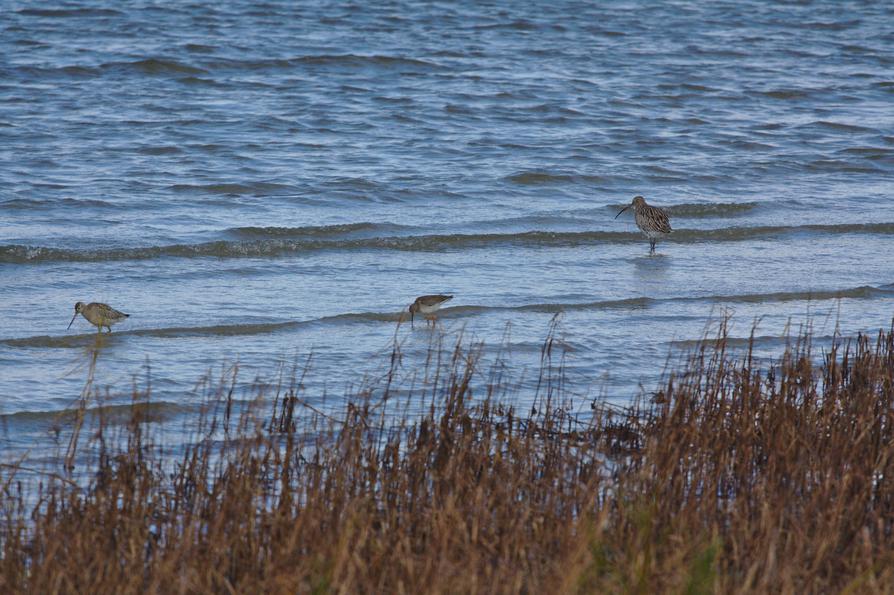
pixel 255 182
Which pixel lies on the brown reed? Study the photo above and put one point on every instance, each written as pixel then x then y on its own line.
pixel 738 476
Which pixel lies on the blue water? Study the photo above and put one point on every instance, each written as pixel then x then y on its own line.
pixel 258 182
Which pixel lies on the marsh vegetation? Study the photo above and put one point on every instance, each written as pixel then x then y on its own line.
pixel 737 475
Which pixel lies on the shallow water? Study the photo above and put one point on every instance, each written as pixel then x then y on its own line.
pixel 255 182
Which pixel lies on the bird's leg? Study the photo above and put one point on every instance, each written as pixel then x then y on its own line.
pixel 651 246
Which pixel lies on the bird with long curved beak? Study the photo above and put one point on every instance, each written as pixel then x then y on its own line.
pixel 652 221
pixel 99 315
pixel 427 304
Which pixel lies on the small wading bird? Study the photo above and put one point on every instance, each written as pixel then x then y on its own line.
pixel 428 304
pixel 653 221
pixel 99 315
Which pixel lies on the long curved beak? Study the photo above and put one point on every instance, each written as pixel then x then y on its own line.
pixel 411 319
pixel 621 211
pixel 72 320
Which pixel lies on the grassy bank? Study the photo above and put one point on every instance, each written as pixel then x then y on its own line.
pixel 737 476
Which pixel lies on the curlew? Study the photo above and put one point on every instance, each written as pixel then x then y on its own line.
pixel 653 221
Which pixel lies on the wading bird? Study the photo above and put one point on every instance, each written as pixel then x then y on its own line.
pixel 99 315
pixel 653 221
pixel 428 304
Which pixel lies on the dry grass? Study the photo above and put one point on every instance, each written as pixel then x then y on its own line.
pixel 739 477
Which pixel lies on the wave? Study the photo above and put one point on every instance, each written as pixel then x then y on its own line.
pixel 837 25
pixel 70 12
pixel 786 93
pixel 518 24
pixel 862 292
pixel 837 126
pixel 347 60
pixel 159 150
pixel 398 315
pixel 54 203
pixel 279 246
pixel 314 230
pixel 703 210
pixel 19 254
pixel 234 188
pixel 151 411
pixel 194 80
pixel 533 178
pixel 868 152
pixel 147 66
pixel 88 339
pixel 155 66
pixel 217 330
pixel 834 165
pixel 764 341
pixel 373 60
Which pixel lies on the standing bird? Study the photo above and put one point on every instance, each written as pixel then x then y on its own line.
pixel 428 304
pixel 99 315
pixel 653 221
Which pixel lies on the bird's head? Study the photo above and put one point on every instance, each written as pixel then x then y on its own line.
pixel 636 203
pixel 79 307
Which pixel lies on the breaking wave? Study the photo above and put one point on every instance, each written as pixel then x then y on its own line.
pixel 398 315
pixel 284 241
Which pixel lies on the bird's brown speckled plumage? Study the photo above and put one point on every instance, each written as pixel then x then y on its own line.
pixel 99 315
pixel 653 221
